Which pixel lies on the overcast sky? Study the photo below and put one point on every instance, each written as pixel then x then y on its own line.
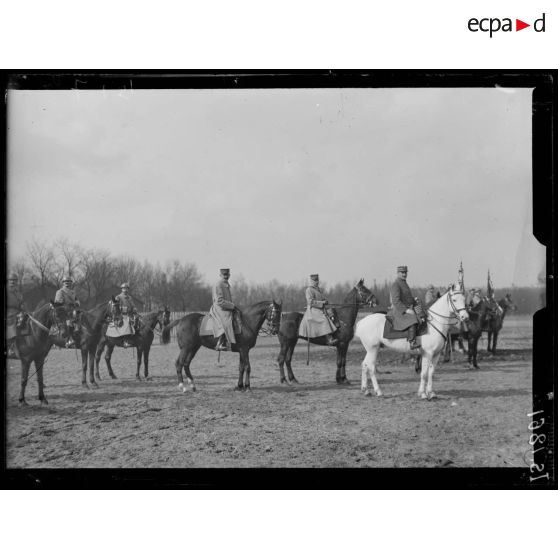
pixel 347 183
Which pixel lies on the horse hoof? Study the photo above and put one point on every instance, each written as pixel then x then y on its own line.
pixel 368 393
pixel 422 395
pixel 476 366
pixel 94 385
pixel 431 396
pixel 84 385
pixel 148 379
pixel 379 393
pixel 113 377
pixel 138 378
pixel 44 401
pixel 23 403
pixel 238 388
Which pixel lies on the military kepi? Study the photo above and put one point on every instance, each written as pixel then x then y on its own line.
pixel 315 277
pixel 225 270
pixel 402 268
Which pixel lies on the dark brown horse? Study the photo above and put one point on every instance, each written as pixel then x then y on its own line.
pixel 141 340
pixel 36 344
pixel 92 323
pixel 496 321
pixel 190 340
pixel 346 313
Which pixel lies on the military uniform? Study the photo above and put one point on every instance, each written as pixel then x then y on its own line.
pixel 14 306
pixel 402 300
pixel 222 310
pixel 67 296
pixel 126 304
pixel 316 322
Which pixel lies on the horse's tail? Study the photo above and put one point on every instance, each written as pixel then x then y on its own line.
pixel 165 334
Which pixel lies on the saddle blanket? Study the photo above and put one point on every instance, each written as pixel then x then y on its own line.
pixel 206 325
pixel 390 333
pixel 125 329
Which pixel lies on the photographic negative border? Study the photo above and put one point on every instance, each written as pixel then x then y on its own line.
pixel 541 474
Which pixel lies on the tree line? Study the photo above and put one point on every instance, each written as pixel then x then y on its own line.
pixel 179 284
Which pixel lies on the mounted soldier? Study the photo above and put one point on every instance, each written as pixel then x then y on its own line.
pixel 318 319
pixel 67 296
pixel 127 306
pixel 222 311
pixel 15 315
pixel 405 309
pixel 430 296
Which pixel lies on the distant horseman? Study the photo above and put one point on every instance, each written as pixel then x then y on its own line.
pixel 67 296
pixel 14 315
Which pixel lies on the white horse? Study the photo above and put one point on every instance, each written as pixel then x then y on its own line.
pixel 448 310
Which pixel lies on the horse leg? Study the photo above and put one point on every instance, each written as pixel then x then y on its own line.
pixel 39 363
pixel 281 359
pixel 369 374
pixel 146 362
pixel 247 370
pixel 475 351
pixel 84 354
pixel 489 343
pixel 341 361
pixel 108 356
pixel 447 350
pixel 289 358
pixel 179 364
pixel 187 361
pixel 429 391
pixel 494 341
pixel 139 354
pixel 98 353
pixel 92 381
pixel 426 359
pixel 25 364
pixel 240 385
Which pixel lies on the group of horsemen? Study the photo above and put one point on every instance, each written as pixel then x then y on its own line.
pixel 406 311
pixel 16 315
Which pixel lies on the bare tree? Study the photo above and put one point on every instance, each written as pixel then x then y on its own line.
pixel 42 261
pixel 98 272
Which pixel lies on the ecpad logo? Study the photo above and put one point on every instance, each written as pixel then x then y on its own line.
pixel 493 25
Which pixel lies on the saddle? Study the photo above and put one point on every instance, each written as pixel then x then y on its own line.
pixel 206 324
pixel 390 333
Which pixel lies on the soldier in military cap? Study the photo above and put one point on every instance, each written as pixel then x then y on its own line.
pixel 14 315
pixel 67 296
pixel 127 306
pixel 403 307
pixel 429 296
pixel 222 311
pixel 316 321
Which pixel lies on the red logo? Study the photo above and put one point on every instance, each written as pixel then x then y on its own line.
pixel 519 25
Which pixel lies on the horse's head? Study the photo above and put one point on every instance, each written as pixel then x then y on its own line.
pixel 507 303
pixel 364 294
pixel 164 320
pixel 273 316
pixel 456 301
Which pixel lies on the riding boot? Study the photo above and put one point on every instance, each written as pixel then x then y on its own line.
pixel 330 340
pixel 412 337
pixel 222 343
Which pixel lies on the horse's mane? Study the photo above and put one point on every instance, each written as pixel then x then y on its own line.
pixel 257 305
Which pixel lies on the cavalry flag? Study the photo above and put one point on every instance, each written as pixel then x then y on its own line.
pixel 460 277
pixel 489 287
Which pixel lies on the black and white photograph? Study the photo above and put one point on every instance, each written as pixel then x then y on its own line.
pixel 237 272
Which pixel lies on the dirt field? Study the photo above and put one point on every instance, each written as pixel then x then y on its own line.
pixel 478 419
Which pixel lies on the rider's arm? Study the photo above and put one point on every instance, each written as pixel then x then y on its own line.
pixel 220 299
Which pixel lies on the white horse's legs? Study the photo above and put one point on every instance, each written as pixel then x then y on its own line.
pixel 369 373
pixel 426 359
pixel 429 393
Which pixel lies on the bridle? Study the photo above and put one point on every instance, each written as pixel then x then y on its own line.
pixel 53 316
pixel 455 311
